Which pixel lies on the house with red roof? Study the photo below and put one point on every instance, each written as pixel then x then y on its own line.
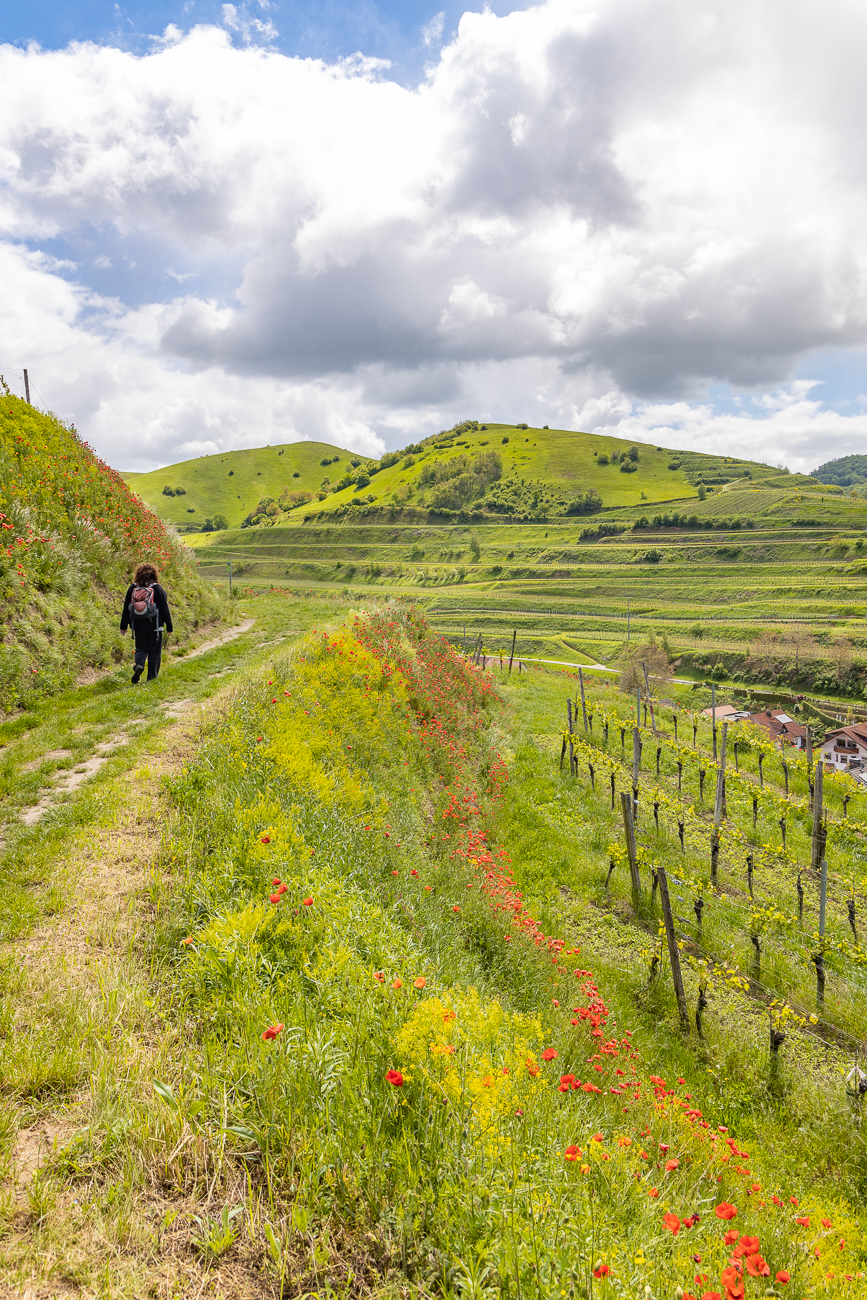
pixel 781 727
pixel 845 746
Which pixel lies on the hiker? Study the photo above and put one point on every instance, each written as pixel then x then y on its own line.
pixel 146 610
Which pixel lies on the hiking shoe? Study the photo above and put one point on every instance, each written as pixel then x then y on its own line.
pixel 137 672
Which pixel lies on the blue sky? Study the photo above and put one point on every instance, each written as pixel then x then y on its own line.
pixel 390 30
pixel 636 216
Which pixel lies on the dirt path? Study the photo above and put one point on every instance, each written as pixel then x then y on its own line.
pixel 228 635
pixel 88 1036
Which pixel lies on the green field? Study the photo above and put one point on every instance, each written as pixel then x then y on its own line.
pixel 710 556
pixel 335 984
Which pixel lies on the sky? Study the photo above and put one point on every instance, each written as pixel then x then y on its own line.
pixel 230 225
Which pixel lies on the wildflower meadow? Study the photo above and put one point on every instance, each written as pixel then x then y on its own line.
pixel 416 1066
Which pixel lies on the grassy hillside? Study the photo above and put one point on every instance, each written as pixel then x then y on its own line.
pixel 72 532
pixel 714 587
pixel 232 484
pixel 485 470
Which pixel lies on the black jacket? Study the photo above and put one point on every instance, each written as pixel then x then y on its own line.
pixel 164 614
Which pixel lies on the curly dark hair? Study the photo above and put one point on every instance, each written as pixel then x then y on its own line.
pixel 145 575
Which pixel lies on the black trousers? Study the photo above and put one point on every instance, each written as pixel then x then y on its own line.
pixel 148 646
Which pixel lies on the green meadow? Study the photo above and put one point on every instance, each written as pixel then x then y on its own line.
pixel 335 984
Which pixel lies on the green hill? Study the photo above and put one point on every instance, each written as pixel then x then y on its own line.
pixel 72 532
pixel 486 469
pixel 232 484
pixel 846 471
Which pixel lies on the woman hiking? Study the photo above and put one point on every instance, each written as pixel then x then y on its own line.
pixel 146 610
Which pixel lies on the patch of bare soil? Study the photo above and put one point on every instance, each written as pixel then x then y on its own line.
pixel 229 635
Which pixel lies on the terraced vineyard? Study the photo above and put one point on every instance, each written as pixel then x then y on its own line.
pixel 708 592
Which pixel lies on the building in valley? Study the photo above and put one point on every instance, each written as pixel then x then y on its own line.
pixel 846 747
pixel 781 727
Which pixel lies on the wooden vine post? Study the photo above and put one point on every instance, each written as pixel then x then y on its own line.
pixel 816 843
pixel 512 652
pixel 636 764
pixel 571 746
pixel 649 698
pixel 819 863
pixel 718 805
pixel 632 853
pixel 673 952
pixel 583 701
pixel 713 713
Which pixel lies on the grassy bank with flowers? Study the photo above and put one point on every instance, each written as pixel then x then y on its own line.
pixel 420 1051
pixel 71 532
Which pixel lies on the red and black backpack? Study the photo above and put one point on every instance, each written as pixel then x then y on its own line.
pixel 142 604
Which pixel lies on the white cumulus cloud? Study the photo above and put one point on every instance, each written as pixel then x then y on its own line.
pixel 583 215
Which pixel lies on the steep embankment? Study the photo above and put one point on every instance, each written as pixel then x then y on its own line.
pixel 71 533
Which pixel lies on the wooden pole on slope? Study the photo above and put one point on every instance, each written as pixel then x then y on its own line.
pixel 26 387
pixel 649 698
pixel 673 952
pixel 817 841
pixel 583 701
pixel 636 763
pixel 629 829
pixel 512 652
pixel 718 805
pixel 713 711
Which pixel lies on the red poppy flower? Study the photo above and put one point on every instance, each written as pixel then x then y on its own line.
pixel 572 1153
pixel 670 1165
pixel 378 975
pixel 188 940
pixel 654 1193
pixel 266 839
pixel 601 1270
pixel 271 1032
pixel 397 984
pixel 672 1222
pixel 550 1054
pixel 746 1246
pixel 826 1224
pixel 804 1222
pixel 732 1280
pixel 756 1266
pixel 597 1137
pixel 731 1236
pixel 533 1069
pixel 395 1078
pixel 725 1211
pixel 419 983
pixel 275 898
pixel 783 1276
pixel 456 908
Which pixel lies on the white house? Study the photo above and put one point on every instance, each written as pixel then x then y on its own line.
pixel 845 746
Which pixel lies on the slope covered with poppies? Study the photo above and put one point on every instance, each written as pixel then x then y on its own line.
pixel 418 1065
pixel 71 533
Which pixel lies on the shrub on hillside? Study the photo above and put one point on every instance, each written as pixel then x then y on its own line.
pixel 586 503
